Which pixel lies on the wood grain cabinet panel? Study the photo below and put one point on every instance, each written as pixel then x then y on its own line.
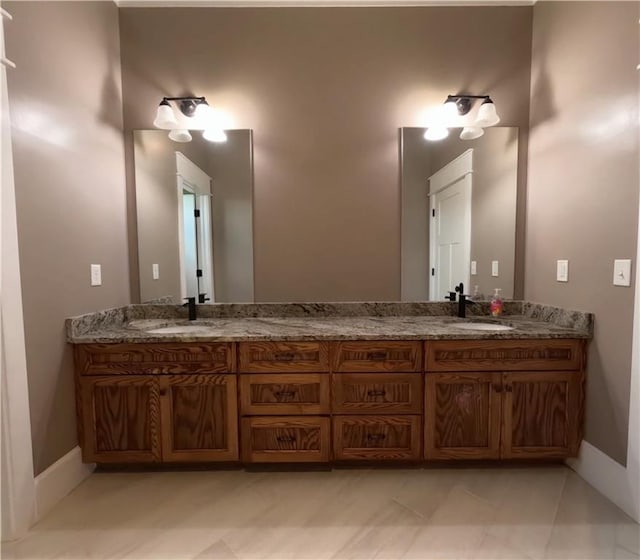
pixel 504 355
pixel 153 359
pixel 377 437
pixel 294 357
pixel 462 415
pixel 541 416
pixel 286 439
pixel 358 393
pixel 376 356
pixel 200 419
pixel 284 393
pixel 120 419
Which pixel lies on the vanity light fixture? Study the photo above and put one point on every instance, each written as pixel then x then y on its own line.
pixel 457 106
pixel 199 114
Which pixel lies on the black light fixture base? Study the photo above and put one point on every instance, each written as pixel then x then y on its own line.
pixel 465 102
pixel 187 104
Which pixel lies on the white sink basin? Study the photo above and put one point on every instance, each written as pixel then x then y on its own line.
pixel 483 327
pixel 181 329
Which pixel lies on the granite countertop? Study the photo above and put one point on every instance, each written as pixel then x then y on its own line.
pixel 367 321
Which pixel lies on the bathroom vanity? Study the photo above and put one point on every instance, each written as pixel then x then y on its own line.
pixel 328 388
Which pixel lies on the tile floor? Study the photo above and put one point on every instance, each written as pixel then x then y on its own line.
pixel 465 513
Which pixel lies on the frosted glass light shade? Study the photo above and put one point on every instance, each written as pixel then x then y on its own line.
pixel 165 117
pixel 180 135
pixel 450 112
pixel 487 114
pixel 214 135
pixel 471 132
pixel 203 114
pixel 436 133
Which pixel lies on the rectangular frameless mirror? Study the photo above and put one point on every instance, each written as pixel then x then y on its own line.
pixel 458 214
pixel 194 217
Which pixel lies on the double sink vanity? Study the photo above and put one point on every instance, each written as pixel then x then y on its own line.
pixel 329 383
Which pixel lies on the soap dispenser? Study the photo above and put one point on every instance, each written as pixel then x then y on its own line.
pixel 496 305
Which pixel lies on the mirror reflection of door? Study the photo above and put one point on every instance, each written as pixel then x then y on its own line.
pixel 190 240
pixel 195 228
pixel 450 231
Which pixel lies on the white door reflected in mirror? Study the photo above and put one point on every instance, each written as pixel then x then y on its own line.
pixel 196 239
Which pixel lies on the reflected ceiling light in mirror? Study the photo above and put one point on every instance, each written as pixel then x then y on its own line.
pixel 214 135
pixel 471 132
pixel 180 135
pixel 434 133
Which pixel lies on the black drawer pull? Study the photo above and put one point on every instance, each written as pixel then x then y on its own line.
pixel 285 393
pixel 285 356
pixel 376 437
pixel 376 356
pixel 376 393
pixel 286 439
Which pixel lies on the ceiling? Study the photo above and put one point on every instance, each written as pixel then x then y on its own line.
pixel 310 3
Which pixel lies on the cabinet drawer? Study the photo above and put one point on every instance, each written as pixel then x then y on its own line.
pixel 286 440
pixel 504 355
pixel 376 437
pixel 400 393
pixel 284 393
pixel 165 358
pixel 383 356
pixel 271 357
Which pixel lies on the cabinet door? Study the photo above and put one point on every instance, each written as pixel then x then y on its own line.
pixel 462 415
pixel 199 418
pixel 120 418
pixel 541 414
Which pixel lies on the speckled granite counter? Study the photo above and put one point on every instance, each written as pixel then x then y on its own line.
pixel 325 321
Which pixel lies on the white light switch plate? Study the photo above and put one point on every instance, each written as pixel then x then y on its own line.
pixel 622 272
pixel 96 275
pixel 494 268
pixel 474 267
pixel 562 271
pixel 155 271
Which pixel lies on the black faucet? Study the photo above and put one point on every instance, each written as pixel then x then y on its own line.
pixel 463 301
pixel 191 303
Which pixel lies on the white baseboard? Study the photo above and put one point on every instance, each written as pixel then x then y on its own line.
pixel 59 479
pixel 607 476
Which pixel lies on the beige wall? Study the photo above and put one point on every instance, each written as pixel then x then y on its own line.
pixel 325 91
pixel 66 113
pixel 583 187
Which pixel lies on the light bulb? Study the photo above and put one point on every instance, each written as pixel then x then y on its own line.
pixel 203 114
pixel 471 132
pixel 436 133
pixel 165 117
pixel 487 114
pixel 180 135
pixel 214 135
pixel 449 112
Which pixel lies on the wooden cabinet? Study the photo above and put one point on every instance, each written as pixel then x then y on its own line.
pixel 129 418
pixel 376 356
pixel 462 416
pixel 286 439
pixel 199 418
pixel 541 414
pixel 377 437
pixel 284 393
pixel 120 419
pixel 532 413
pixel 316 401
pixel 364 393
